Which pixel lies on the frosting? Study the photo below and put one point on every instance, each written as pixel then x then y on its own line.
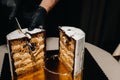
pixel 73 32
pixel 17 34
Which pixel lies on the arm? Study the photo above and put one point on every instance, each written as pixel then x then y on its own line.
pixel 40 14
pixel 48 4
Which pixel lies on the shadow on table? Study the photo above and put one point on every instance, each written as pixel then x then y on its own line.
pixel 92 71
pixel 5 73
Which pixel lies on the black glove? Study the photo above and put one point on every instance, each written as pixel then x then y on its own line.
pixel 38 18
pixel 13 5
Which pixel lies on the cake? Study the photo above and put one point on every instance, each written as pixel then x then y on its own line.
pixel 26 53
pixel 71 50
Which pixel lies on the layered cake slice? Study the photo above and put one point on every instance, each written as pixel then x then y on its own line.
pixel 27 53
pixel 26 58
pixel 71 50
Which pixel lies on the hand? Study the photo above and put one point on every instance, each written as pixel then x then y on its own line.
pixel 38 18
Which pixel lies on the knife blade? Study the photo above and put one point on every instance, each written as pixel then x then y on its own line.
pixel 105 60
pixel 20 29
pixel 27 42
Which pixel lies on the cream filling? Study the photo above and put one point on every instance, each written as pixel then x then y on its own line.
pixel 62 47
pixel 24 69
pixel 40 56
pixel 37 40
pixel 37 51
pixel 68 59
pixel 18 56
pixel 67 65
pixel 22 63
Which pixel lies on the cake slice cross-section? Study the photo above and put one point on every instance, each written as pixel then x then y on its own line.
pixel 71 50
pixel 22 54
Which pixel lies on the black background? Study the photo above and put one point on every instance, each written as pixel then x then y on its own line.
pixel 99 19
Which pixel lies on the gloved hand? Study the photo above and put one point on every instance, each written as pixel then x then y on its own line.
pixel 38 18
pixel 13 5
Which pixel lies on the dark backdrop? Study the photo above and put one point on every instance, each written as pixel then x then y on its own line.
pixel 102 20
pixel 99 19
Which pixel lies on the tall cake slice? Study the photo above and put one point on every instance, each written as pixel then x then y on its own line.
pixel 71 50
pixel 27 54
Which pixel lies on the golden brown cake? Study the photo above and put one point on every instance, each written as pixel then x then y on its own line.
pixel 27 55
pixel 71 50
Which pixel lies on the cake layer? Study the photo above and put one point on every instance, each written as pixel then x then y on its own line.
pixel 71 49
pixel 22 63
pixel 27 54
pixel 18 56
pixel 25 69
pixel 67 46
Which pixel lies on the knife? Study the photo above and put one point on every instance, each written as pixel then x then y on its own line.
pixel 105 60
pixel 27 42
pixel 20 29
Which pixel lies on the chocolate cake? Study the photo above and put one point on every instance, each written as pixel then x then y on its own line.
pixel 27 54
pixel 71 50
